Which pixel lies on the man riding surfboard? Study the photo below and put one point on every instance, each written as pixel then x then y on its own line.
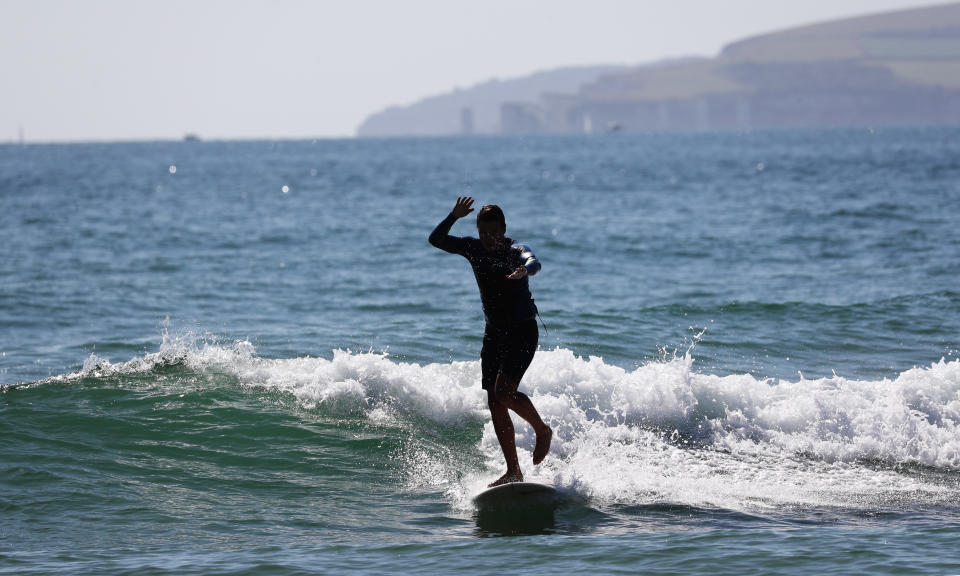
pixel 502 269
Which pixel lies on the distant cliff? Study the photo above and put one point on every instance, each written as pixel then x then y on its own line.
pixel 885 69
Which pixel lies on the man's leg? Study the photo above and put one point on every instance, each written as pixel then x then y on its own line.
pixel 490 367
pixel 508 395
pixel 506 435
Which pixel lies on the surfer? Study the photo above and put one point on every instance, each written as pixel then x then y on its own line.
pixel 511 335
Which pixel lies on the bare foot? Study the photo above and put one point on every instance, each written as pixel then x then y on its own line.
pixel 543 446
pixel 506 479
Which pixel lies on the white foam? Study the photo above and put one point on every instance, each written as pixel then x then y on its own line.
pixel 440 392
pixel 660 433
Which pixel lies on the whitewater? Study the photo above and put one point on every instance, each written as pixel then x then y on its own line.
pixel 661 433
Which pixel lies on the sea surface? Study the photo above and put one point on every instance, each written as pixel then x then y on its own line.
pixel 245 358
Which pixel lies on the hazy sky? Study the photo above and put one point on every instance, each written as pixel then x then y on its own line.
pixel 142 69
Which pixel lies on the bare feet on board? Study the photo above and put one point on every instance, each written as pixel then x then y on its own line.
pixel 543 445
pixel 506 479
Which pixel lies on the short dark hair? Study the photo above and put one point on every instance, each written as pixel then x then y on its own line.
pixel 491 213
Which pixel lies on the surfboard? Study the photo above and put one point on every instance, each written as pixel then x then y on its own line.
pixel 516 494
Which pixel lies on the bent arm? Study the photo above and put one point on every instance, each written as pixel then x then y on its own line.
pixel 441 238
pixel 528 259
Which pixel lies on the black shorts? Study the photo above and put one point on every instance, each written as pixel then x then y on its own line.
pixel 509 350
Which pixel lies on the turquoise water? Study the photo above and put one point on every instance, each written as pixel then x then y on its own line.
pixel 244 357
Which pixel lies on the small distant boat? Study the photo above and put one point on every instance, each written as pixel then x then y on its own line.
pixel 613 127
pixel 191 137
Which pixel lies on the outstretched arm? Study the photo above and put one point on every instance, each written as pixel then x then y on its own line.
pixel 441 238
pixel 530 263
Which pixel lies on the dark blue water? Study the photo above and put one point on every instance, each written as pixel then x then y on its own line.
pixel 244 357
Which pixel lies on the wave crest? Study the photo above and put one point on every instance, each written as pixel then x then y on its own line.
pixel 911 419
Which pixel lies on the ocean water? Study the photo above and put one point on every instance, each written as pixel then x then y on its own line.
pixel 245 358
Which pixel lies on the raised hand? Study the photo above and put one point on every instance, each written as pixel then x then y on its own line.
pixel 463 206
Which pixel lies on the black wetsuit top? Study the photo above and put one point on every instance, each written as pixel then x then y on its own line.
pixel 505 302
